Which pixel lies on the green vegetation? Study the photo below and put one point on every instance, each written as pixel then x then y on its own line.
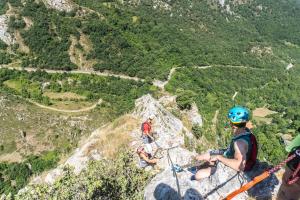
pixel 185 99
pixel 146 42
pixel 14 176
pixel 4 57
pixel 118 94
pixel 106 179
pixel 3 8
pixel 48 38
pixel 256 88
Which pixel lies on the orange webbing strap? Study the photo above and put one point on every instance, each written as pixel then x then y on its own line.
pixel 249 185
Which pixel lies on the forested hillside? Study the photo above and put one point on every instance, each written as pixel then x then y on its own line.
pixel 148 38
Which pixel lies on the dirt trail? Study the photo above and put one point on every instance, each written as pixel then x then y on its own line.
pixel 157 83
pixel 66 111
pixel 50 71
pixel 162 84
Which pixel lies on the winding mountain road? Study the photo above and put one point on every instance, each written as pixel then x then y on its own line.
pixel 50 71
pixel 157 83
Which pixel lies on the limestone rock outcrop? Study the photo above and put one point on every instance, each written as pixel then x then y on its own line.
pixel 168 185
pixel 170 129
pixel 5 36
pixel 194 115
pixel 61 5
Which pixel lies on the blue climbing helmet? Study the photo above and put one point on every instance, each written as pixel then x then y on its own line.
pixel 238 115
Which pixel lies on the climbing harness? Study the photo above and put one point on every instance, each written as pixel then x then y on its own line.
pixel 265 175
pixel 177 168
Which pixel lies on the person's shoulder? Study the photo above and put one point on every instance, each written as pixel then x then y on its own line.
pixel 241 144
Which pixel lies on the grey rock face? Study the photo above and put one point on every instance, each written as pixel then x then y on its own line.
pixel 167 126
pixel 168 185
pixel 5 36
pixel 61 5
pixel 194 115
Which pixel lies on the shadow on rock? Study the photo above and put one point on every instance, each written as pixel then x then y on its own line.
pixel 220 186
pixel 264 189
pixel 192 194
pixel 165 192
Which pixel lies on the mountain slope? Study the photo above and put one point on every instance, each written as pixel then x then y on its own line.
pixel 148 38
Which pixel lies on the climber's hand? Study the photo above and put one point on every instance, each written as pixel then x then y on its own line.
pixel 214 158
pixel 204 156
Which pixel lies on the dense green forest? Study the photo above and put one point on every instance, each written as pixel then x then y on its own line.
pixel 146 42
pixel 14 176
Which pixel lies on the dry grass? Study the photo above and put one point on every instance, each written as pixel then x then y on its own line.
pixel 78 56
pixel 85 42
pixel 263 120
pixel 186 122
pixel 28 23
pixel 64 95
pixel 71 105
pixel 22 46
pixel 11 157
pixel 262 112
pixel 114 136
pixel 13 84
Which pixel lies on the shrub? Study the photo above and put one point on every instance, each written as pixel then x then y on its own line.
pixel 106 179
pixel 185 99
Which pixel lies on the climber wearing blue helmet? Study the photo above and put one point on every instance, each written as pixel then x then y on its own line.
pixel 238 116
pixel 241 153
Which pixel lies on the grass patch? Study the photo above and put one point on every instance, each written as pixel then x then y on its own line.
pixel 64 95
pixel 71 105
pixel 262 112
pixel 260 120
pixel 13 84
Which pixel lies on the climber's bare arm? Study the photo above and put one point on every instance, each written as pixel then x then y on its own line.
pixel 239 161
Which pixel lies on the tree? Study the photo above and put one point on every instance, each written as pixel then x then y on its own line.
pixel 185 99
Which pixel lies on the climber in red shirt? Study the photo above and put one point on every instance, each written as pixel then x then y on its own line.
pixel 147 134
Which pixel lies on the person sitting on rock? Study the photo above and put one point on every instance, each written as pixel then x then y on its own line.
pixel 147 133
pixel 242 151
pixel 290 186
pixel 145 158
